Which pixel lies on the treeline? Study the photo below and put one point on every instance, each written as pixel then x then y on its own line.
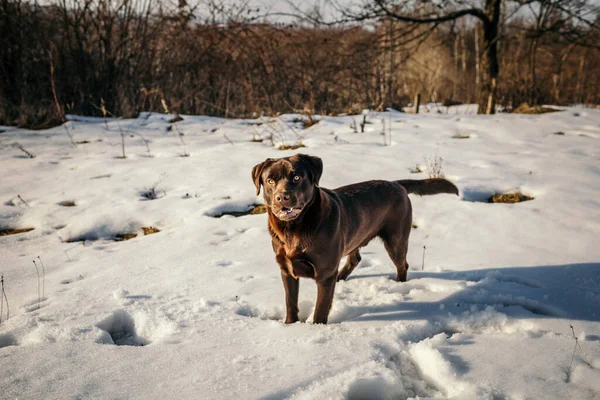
pixel 129 56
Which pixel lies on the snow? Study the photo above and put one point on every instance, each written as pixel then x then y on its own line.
pixel 196 309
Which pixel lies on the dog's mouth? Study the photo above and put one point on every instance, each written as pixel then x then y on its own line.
pixel 288 213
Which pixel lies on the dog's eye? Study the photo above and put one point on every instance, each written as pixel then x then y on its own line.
pixel 296 178
pixel 271 181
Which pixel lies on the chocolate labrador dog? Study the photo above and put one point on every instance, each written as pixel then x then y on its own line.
pixel 312 228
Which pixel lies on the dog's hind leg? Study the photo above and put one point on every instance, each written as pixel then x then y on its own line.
pixel 395 240
pixel 351 263
pixel 397 251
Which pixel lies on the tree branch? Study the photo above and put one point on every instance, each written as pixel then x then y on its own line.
pixel 475 12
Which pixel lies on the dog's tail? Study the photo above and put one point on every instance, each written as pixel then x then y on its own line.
pixel 428 186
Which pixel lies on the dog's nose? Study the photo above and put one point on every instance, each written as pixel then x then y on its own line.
pixel 282 196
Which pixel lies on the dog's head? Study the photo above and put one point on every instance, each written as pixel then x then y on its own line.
pixel 288 183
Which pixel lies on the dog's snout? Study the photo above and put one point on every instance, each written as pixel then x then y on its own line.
pixel 283 196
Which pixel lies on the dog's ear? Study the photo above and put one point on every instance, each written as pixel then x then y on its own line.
pixel 314 165
pixel 257 173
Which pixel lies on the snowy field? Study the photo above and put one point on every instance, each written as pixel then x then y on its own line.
pixel 197 308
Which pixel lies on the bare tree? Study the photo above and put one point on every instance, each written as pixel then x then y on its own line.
pixel 488 12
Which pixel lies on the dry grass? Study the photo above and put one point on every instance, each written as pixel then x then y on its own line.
pixel 291 146
pixel 7 232
pixel 461 136
pixel 307 120
pixel 119 237
pixel 125 236
pixel 509 198
pixel 149 230
pixel 527 109
pixel 416 170
pixel 434 166
pixel 256 209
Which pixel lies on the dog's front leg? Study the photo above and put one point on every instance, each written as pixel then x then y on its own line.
pixel 291 284
pixel 325 289
pixel 292 287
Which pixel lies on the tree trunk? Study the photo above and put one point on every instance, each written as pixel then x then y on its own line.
pixel 558 74
pixel 533 97
pixel 417 102
pixel 487 98
pixel 477 62
pixel 579 88
pixel 390 83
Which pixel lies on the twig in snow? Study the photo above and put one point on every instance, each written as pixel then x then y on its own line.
pixel 71 248
pixel 37 271
pixel 423 263
pixel 24 202
pixel 20 147
pixel 574 349
pixel 43 279
pixel 173 122
pixel 122 140
pixel 353 126
pixel 229 140
pixel 390 126
pixel 180 134
pixel 105 112
pixel 145 143
pixel 2 299
pixel 152 194
pixel 363 123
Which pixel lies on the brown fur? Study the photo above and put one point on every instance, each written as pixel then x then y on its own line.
pixel 312 228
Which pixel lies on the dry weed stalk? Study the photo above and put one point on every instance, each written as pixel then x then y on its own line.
pixel 577 345
pixel 24 202
pixel 43 278
pixel 176 119
pixel 37 271
pixel 20 147
pixel 3 298
pixel 56 103
pixel 434 166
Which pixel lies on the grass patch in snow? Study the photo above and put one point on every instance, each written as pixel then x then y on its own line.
pixel 252 209
pixel 121 237
pixel 291 146
pixel 527 109
pixel 306 122
pixel 105 234
pixel 14 231
pixel 485 196
pixel 461 136
pixel 149 230
pixel 509 198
